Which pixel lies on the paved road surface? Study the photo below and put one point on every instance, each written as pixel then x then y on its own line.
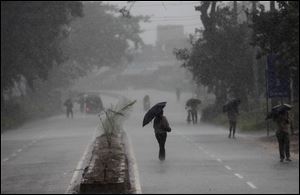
pixel 41 156
pixel 201 159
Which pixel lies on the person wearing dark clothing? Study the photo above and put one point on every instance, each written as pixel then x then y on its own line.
pixel 192 113
pixel 69 107
pixel 161 127
pixel 232 114
pixel 282 134
pixel 189 114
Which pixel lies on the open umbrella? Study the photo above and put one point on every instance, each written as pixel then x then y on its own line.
pixel 193 102
pixel 282 107
pixel 153 112
pixel 277 109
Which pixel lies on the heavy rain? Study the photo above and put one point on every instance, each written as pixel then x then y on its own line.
pixel 151 97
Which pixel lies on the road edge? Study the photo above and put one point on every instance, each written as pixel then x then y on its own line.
pixel 76 178
pixel 134 178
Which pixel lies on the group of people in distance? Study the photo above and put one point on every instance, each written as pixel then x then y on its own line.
pixel 281 118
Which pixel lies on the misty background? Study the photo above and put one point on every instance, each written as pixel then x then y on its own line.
pixel 56 50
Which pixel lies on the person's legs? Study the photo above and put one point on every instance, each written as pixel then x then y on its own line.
pixel 287 146
pixel 161 138
pixel 189 117
pixel 196 116
pixel 230 129
pixel 233 128
pixel 281 145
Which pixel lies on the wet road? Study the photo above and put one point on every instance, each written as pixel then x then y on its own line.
pixel 42 156
pixel 201 159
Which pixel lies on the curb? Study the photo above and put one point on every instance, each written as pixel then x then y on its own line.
pixel 133 174
pixel 134 178
pixel 75 181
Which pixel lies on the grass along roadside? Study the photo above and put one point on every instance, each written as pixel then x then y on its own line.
pixel 254 122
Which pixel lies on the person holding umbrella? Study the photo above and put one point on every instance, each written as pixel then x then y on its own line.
pixel 192 108
pixel 160 125
pixel 280 115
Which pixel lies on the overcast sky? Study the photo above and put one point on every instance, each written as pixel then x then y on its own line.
pixel 163 13
pixel 166 12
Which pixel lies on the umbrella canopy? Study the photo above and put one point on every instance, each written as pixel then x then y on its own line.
pixel 277 109
pixel 153 112
pixel 193 102
pixel 282 107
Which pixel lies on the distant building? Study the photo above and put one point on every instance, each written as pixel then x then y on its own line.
pixel 170 37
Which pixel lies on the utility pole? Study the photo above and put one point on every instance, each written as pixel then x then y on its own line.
pixel 254 67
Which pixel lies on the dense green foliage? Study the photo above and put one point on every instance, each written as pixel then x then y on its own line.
pixel 45 46
pixel 277 31
pixel 30 36
pixel 102 38
pixel 222 58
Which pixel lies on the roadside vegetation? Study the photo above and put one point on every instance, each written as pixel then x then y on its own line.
pixel 229 55
pixel 47 46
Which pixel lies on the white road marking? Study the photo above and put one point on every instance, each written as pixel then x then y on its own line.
pixel 14 154
pixel 251 185
pixel 6 159
pixel 218 159
pixel 20 150
pixel 227 167
pixel 239 176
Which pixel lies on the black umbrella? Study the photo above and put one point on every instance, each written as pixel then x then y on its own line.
pixel 277 109
pixel 193 102
pixel 153 112
pixel 282 107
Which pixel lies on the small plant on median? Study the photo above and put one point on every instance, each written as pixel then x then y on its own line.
pixel 114 117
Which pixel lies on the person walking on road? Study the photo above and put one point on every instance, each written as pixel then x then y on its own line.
pixel 69 107
pixel 192 108
pixel 283 122
pixel 232 114
pixel 161 127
